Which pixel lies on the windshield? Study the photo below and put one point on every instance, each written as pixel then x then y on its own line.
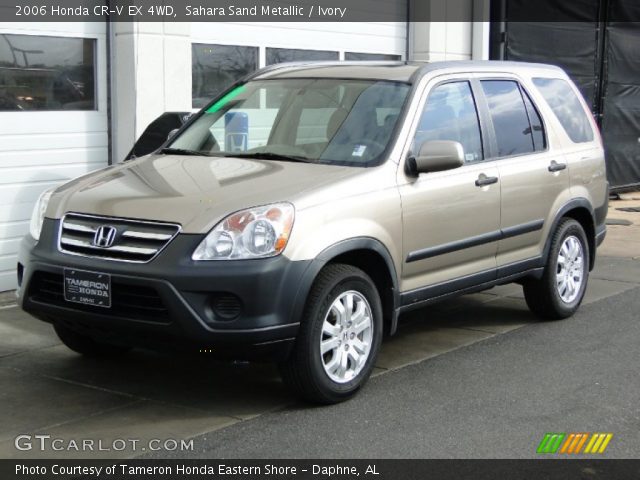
pixel 346 122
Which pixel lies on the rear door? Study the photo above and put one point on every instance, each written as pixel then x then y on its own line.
pixel 533 176
pixel 451 219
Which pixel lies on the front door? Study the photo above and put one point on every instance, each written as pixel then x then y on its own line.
pixel 451 219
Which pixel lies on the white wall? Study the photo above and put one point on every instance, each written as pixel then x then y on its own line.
pixel 41 149
pixel 456 38
pixel 151 74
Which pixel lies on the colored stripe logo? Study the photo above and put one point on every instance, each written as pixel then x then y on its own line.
pixel 574 443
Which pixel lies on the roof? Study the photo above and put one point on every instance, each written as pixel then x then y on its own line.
pixel 392 71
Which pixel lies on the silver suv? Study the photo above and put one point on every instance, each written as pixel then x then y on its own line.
pixel 302 211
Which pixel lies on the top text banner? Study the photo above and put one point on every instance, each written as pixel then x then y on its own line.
pixel 203 10
pixel 311 10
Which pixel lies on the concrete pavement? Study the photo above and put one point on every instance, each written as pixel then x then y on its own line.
pixel 493 399
pixel 144 395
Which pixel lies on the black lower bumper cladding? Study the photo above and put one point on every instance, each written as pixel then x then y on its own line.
pixel 239 308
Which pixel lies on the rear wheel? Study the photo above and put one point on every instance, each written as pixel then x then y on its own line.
pixel 339 337
pixel 86 345
pixel 560 291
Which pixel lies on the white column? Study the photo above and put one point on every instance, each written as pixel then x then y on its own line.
pixel 449 38
pixel 480 36
pixel 151 74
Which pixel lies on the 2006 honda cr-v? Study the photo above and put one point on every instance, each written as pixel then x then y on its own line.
pixel 298 214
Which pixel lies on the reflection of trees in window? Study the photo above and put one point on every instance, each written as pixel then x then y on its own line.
pixel 281 55
pixel 370 56
pixel 216 67
pixel 46 73
pixel 567 108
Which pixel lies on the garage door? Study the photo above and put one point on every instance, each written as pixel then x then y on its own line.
pixel 53 119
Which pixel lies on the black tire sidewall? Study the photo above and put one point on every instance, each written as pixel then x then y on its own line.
pixel 363 285
pixel 568 228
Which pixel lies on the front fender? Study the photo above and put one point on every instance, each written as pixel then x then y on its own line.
pixel 335 250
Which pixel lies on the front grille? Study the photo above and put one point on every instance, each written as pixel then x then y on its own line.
pixel 135 302
pixel 134 240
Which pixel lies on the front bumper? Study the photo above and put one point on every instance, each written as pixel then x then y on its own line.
pixel 239 309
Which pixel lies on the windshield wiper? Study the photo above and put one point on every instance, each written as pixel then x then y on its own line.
pixel 271 156
pixel 181 151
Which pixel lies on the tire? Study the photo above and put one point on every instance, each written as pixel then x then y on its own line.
pixel 328 378
pixel 551 297
pixel 87 346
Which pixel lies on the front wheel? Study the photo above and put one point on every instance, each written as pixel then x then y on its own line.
pixel 339 337
pixel 560 291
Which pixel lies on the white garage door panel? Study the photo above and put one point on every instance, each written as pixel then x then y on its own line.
pixel 48 173
pixel 14 144
pixel 7 263
pixel 9 246
pixel 14 229
pixel 31 124
pixel 17 212
pixel 24 193
pixel 8 279
pixel 42 149
pixel 39 159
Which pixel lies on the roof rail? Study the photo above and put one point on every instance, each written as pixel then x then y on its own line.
pixel 305 63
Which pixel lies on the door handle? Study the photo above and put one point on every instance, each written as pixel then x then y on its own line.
pixel 483 180
pixel 556 167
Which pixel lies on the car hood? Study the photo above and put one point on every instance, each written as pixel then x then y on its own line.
pixel 196 192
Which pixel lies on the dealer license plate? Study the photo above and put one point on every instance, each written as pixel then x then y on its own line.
pixel 88 288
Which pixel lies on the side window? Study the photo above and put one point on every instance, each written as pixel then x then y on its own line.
pixel 450 114
pixel 509 115
pixel 566 107
pixel 537 127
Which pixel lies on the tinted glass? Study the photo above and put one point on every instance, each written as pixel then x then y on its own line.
pixel 510 119
pixel 46 73
pixel 537 127
pixel 450 114
pixel 370 56
pixel 215 67
pixel 336 121
pixel 281 55
pixel 567 108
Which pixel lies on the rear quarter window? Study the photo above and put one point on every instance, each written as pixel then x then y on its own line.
pixel 567 108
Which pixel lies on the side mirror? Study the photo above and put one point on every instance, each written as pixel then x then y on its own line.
pixel 172 133
pixel 436 156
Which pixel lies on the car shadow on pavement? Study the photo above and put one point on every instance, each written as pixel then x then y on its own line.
pixel 242 390
pixel 51 389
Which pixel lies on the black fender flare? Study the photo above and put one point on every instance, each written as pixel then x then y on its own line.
pixel 570 205
pixel 331 252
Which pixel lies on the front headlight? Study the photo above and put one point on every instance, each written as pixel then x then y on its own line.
pixel 39 209
pixel 252 233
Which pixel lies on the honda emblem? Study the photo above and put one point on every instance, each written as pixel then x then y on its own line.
pixel 104 236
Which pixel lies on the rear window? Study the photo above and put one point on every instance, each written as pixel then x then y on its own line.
pixel 567 108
